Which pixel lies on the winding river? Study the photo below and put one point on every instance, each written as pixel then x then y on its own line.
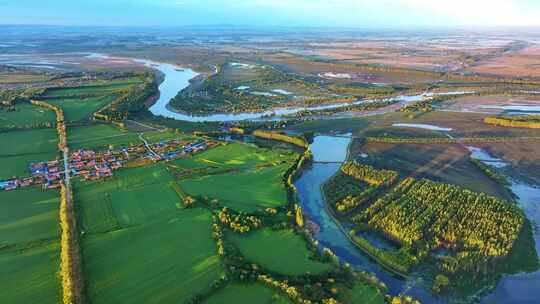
pixel 177 78
pixel 329 152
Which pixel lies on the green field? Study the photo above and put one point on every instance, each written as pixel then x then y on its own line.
pixel 252 293
pixel 250 178
pixel 29 252
pixel 76 109
pixel 27 216
pixel 24 147
pixel 139 245
pixel 281 251
pixel 31 275
pixel 131 197
pixel 96 88
pixel 25 114
pixel 100 137
pixel 167 260
pixel 361 293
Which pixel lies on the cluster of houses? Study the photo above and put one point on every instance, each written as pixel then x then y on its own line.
pixel 48 174
pixel 91 165
pixel 171 149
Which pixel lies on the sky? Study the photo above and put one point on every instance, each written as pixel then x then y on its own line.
pixel 305 13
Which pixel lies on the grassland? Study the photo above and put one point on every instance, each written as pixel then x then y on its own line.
pixel 280 251
pixel 21 148
pixel 244 178
pixel 252 293
pixel 25 114
pixel 29 249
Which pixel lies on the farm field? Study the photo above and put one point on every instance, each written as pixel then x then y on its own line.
pixel 122 218
pixel 131 197
pixel 100 87
pixel 167 259
pixel 76 109
pixel 31 275
pixel 28 216
pixel 25 147
pixel 279 251
pixel 29 247
pixel 252 293
pixel 25 114
pixel 256 174
pixel 100 137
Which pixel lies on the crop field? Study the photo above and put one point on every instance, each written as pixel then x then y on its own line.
pixel 25 147
pixel 28 215
pixel 167 260
pixel 137 238
pixel 278 251
pixel 25 114
pixel 96 88
pixel 29 250
pixel 447 163
pixel 245 178
pixel 100 137
pixel 31 275
pixel 157 136
pixel 252 293
pixel 76 109
pixel 131 197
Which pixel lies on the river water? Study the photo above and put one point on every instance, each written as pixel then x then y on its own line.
pixel 328 153
pixel 177 78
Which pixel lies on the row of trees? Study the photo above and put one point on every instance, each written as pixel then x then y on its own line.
pixel 281 137
pixel 369 174
pixel 70 263
pixel 521 121
pixel 478 227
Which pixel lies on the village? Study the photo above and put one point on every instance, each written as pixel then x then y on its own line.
pixel 89 165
